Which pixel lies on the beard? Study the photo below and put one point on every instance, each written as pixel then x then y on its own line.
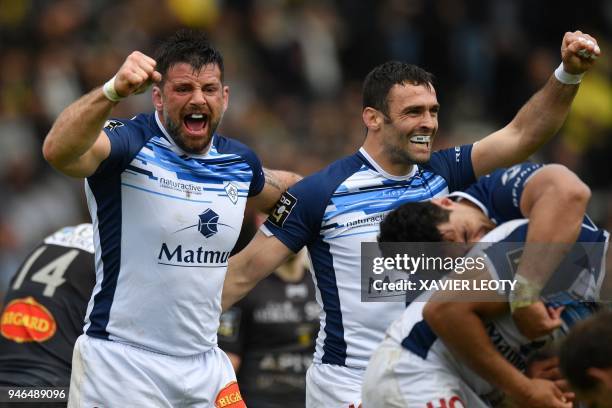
pixel 195 147
pixel 400 156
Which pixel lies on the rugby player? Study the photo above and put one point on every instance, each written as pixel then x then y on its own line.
pixel 544 194
pixel 167 195
pixel 333 211
pixel 44 310
pixel 464 353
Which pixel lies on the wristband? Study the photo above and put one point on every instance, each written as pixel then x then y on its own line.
pixel 567 78
pixel 109 91
pixel 524 294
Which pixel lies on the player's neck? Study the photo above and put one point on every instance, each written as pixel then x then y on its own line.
pixel 377 153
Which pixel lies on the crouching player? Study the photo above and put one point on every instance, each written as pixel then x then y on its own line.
pixel 527 190
pixel 444 352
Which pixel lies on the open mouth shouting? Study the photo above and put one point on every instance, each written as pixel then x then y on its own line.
pixel 195 123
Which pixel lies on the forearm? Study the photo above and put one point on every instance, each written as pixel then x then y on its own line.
pixel 465 335
pixel 260 257
pixel 555 201
pixel 77 128
pixel 236 284
pixel 543 115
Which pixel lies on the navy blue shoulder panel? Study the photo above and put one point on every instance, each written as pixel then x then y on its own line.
pixel 308 199
pixel 454 165
pixel 226 145
pixel 127 136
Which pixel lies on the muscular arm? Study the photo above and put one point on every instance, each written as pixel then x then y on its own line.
pixel 555 201
pixel 260 257
pixel 76 144
pixel 277 182
pixel 539 119
pixel 460 325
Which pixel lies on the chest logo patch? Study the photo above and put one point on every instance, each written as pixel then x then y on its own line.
pixel 208 223
pixel 25 320
pixel 232 192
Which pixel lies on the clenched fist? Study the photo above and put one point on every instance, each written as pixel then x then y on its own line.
pixel 135 75
pixel 579 52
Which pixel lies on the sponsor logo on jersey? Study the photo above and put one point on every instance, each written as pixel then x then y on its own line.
pixel 26 320
pixel 367 221
pixel 232 192
pixel 208 223
pixel 282 209
pixel 190 257
pixel 112 124
pixel 182 186
pixel 229 397
pixel 453 402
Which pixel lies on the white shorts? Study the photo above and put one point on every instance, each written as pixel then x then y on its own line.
pixel 111 374
pixel 397 378
pixel 333 386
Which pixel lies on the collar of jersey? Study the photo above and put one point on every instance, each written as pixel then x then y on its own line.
pixel 460 195
pixel 379 169
pixel 175 147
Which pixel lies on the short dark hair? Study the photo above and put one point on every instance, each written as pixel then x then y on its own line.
pixel 413 222
pixel 381 79
pixel 189 46
pixel 589 344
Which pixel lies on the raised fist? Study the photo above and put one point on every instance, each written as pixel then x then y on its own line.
pixel 578 52
pixel 136 74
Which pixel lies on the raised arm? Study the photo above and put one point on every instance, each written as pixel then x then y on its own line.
pixel 542 116
pixel 76 144
pixel 259 259
pixel 552 194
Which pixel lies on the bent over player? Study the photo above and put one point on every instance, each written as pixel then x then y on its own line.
pixel 460 350
pixel 166 194
pixel 333 211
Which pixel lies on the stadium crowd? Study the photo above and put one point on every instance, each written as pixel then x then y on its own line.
pixel 295 69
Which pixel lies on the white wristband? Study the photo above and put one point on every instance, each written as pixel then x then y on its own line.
pixel 567 78
pixel 109 91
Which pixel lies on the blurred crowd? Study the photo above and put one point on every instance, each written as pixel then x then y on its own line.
pixel 295 69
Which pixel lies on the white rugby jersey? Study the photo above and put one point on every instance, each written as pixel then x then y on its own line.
pixel 414 334
pixel 164 224
pixel 332 212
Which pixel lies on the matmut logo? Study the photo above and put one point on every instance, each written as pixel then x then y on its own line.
pixel 191 257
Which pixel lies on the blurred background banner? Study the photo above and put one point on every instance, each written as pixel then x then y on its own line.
pixel 295 70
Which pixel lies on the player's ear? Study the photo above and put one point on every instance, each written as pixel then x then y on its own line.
pixel 602 375
pixel 156 95
pixel 443 202
pixel 371 118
